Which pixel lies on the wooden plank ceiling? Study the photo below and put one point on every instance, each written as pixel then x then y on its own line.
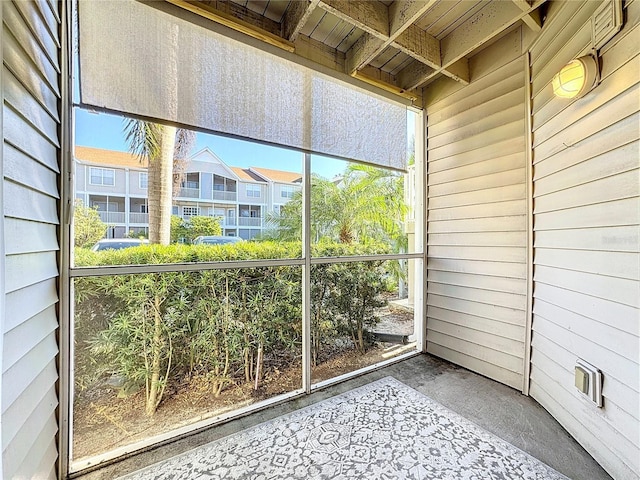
pixel 399 45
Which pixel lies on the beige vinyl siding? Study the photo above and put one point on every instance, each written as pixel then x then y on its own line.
pixel 586 155
pixel 30 80
pixel 477 216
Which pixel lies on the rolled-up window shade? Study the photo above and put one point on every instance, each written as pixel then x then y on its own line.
pixel 141 61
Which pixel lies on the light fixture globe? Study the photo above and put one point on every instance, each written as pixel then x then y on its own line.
pixel 577 78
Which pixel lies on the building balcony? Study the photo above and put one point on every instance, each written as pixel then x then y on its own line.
pixel 136 217
pixel 250 221
pixel 112 217
pixel 225 196
pixel 189 192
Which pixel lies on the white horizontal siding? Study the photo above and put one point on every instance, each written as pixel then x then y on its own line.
pixel 30 168
pixel 586 250
pixel 26 236
pixel 477 240
pixel 19 412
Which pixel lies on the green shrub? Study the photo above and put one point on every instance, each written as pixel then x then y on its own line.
pixel 88 228
pixel 155 329
pixel 185 231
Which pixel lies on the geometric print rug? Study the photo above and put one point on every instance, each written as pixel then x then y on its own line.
pixel 383 430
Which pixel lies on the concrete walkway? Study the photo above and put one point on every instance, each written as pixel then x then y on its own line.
pixel 499 409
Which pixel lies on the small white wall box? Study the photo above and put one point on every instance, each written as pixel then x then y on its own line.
pixel 588 379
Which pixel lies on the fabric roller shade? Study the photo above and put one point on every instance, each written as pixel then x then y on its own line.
pixel 142 61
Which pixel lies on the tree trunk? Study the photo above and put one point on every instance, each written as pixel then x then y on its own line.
pixel 156 347
pixel 360 339
pixel 160 188
pixel 258 369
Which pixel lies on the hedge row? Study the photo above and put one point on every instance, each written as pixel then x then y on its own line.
pixel 230 325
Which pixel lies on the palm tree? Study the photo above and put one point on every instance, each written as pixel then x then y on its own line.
pixel 161 146
pixel 366 203
pixel 165 148
pixel 380 208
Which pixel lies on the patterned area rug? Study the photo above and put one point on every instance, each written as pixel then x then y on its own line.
pixel 383 430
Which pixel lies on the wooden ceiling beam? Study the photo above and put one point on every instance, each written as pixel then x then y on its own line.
pixel 419 45
pixel 403 13
pixel 303 46
pixel 361 53
pixel 386 86
pixel 330 57
pixel 415 73
pixel 372 17
pixel 243 13
pixel 295 18
pixel 403 35
pixel 397 20
pixel 533 19
pixel 480 28
pixel 458 71
pixel 487 23
pixel 234 23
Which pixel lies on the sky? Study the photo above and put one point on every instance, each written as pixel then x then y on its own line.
pixel 101 130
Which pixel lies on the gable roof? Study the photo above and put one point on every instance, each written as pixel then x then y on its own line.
pixel 101 156
pixel 246 175
pixel 278 175
pixel 206 155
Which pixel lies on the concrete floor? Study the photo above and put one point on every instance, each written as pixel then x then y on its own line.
pixel 497 408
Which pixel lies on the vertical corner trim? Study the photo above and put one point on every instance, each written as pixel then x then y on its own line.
pixel 529 182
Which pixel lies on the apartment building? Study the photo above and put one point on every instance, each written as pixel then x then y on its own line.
pixel 116 184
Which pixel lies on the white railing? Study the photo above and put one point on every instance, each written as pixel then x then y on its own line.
pixel 225 196
pixel 250 221
pixel 136 217
pixel 112 217
pixel 228 222
pixel 189 192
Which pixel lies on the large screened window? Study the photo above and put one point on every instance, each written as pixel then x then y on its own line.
pixel 251 297
pixel 230 317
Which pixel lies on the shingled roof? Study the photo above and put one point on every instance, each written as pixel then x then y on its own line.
pixel 247 175
pixel 278 175
pixel 109 157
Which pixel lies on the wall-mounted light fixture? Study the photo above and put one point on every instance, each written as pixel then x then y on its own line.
pixel 580 76
pixel 577 78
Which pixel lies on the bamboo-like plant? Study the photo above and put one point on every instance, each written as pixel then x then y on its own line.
pixel 231 326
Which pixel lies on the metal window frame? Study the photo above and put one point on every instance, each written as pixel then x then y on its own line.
pixel 287 191
pixel 65 258
pixel 253 191
pixel 144 175
pixel 102 170
pixel 68 273
pixel 306 262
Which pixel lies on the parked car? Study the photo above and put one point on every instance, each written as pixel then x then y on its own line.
pixel 215 240
pixel 117 243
